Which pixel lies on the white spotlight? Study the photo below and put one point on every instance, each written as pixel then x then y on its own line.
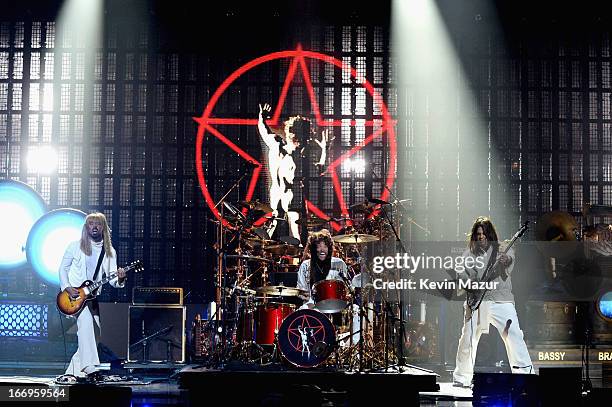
pixel 354 164
pixel 42 160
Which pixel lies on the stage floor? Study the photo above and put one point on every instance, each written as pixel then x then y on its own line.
pixel 192 385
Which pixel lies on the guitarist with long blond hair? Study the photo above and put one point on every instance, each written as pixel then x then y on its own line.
pixel 90 258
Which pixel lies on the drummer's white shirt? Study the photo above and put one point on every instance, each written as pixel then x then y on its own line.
pixel 338 270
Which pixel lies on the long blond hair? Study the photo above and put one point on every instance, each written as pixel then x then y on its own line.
pixel 85 244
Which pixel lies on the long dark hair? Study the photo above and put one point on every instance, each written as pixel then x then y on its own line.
pixel 489 232
pixel 319 269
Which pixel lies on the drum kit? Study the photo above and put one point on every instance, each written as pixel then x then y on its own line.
pixel 263 317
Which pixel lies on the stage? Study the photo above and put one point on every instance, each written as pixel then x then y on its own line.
pixel 278 203
pixel 192 385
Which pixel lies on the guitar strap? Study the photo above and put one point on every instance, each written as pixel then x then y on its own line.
pixel 98 265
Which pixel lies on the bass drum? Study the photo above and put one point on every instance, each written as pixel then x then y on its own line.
pixel 306 338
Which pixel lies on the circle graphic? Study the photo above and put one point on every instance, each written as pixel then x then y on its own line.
pixel 306 338
pixel 20 207
pixel 377 126
pixel 49 238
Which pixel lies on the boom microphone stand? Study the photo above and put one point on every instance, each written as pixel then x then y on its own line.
pixel 401 361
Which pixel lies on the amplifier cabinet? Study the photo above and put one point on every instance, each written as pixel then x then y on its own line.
pixel 156 333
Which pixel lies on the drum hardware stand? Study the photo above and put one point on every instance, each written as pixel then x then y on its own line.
pixel 587 385
pixel 219 284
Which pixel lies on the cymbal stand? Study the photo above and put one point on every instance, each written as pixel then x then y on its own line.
pixel 361 311
pixel 219 284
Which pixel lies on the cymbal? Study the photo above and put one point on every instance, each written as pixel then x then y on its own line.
pixel 378 201
pixel 280 290
pixel 355 238
pixel 247 257
pixel 256 205
pixel 364 206
pixel 281 249
pixel 312 221
pixel 290 240
pixel 261 233
pixel 257 241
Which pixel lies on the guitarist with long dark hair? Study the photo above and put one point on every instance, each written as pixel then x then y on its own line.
pixel 493 306
pixel 90 258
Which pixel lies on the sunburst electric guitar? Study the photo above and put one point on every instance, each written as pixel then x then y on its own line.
pixel 70 306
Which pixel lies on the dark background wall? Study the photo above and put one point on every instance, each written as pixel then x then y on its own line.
pixel 122 114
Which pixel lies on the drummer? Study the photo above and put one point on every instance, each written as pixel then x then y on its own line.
pixel 318 263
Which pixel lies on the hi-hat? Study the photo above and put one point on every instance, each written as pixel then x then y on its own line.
pixel 281 249
pixel 281 290
pixel 355 238
pixel 311 221
pixel 254 241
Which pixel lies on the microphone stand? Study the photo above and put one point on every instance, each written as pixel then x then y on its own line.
pixel 147 338
pixel 401 361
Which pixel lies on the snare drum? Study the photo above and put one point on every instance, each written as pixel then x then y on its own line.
pixel 306 338
pixel 330 295
pixel 268 318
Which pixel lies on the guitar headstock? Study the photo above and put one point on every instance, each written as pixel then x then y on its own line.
pixel 135 266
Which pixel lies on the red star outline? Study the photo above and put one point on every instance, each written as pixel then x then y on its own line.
pixel 207 121
pixel 305 321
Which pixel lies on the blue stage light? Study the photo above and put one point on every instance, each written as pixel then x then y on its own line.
pixel 604 306
pixel 20 208
pixel 49 238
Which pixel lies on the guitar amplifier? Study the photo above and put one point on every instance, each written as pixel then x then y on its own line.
pixel 157 296
pixel 156 334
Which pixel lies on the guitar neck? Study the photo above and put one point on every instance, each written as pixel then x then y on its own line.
pixel 107 279
pixel 505 251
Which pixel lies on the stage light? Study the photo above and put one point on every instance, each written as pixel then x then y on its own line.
pixel 20 208
pixel 354 164
pixel 604 306
pixel 42 159
pixel 49 238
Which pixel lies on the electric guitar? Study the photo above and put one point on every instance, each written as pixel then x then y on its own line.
pixel 70 306
pixel 475 297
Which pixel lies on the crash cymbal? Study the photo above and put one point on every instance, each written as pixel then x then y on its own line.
pixel 281 249
pixel 280 290
pixel 256 205
pixel 355 238
pixel 290 240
